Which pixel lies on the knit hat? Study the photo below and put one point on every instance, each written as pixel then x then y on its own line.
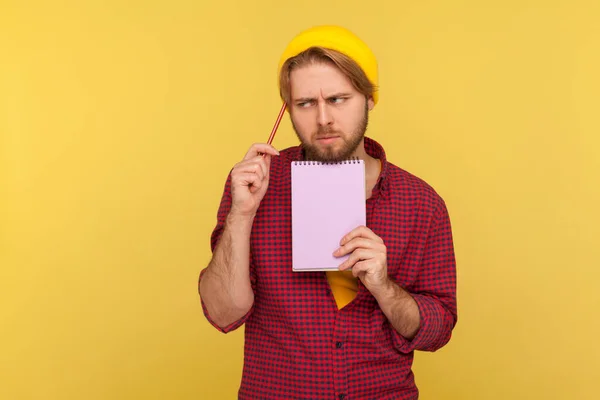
pixel 334 38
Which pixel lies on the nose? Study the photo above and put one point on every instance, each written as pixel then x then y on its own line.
pixel 324 117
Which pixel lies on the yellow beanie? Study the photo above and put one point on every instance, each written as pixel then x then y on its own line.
pixel 334 38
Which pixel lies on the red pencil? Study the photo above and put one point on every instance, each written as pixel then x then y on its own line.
pixel 281 112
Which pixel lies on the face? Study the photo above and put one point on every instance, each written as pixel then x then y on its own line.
pixel 329 115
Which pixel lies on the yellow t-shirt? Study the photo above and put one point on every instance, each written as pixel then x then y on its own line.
pixel 343 286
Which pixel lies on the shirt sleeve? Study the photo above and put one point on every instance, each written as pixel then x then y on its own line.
pixel 435 288
pixel 222 213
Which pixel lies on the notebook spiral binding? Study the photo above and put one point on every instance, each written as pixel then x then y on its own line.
pixel 351 160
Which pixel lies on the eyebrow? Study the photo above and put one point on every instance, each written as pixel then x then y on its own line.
pixel 335 95
pixel 304 99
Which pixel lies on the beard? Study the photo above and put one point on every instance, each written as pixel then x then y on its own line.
pixel 327 154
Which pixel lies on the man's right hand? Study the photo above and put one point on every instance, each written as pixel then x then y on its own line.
pixel 250 179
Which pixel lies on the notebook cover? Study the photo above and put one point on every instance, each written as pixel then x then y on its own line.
pixel 328 201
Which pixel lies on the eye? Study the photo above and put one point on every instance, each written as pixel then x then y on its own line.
pixel 337 100
pixel 305 104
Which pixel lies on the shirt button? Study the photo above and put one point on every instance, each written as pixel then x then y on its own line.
pixel 342 396
pixel 339 346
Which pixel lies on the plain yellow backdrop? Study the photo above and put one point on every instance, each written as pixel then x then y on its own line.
pixel 119 122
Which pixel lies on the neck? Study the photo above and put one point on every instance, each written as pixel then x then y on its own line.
pixel 372 165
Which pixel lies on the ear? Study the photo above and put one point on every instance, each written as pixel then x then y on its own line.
pixel 370 103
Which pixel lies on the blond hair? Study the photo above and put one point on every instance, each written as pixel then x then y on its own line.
pixel 313 55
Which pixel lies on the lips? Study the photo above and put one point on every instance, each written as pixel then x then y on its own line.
pixel 327 137
pixel 326 140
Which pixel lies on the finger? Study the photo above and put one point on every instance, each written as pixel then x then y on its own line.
pixel 247 179
pixel 360 269
pixel 255 186
pixel 251 167
pixel 361 231
pixel 267 161
pixel 355 257
pixel 264 164
pixel 357 243
pixel 260 148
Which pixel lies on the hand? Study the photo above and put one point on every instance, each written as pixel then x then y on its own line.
pixel 368 257
pixel 250 179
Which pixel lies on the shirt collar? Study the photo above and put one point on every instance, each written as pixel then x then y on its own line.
pixel 375 150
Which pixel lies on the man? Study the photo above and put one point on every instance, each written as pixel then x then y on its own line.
pixel 348 334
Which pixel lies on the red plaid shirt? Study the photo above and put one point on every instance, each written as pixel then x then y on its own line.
pixel 298 345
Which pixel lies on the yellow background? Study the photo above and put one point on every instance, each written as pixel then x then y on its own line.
pixel 120 120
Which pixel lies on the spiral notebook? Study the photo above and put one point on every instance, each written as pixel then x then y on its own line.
pixel 328 201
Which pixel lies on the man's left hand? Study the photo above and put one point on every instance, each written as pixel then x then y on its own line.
pixel 368 257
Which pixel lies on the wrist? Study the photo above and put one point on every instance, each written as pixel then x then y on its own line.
pixel 237 216
pixel 387 289
pixel 239 222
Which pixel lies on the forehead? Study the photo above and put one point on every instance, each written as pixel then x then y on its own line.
pixel 317 79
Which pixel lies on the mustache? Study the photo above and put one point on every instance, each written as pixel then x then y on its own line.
pixel 325 131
